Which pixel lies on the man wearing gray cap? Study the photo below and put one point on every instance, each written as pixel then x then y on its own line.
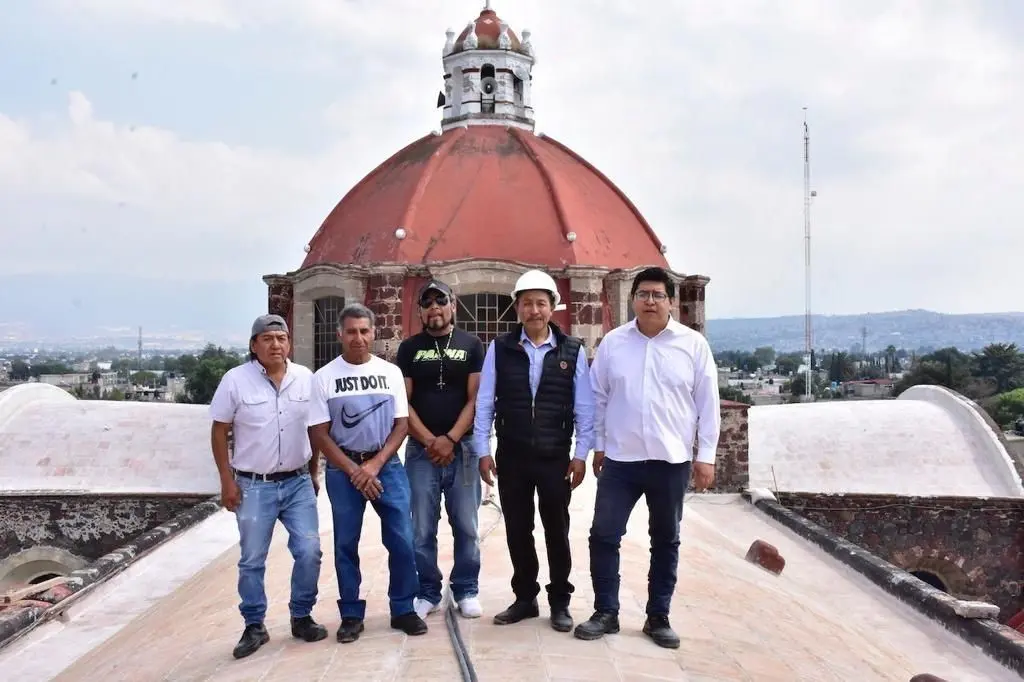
pixel 271 475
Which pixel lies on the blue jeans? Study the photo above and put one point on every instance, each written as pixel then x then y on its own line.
pixel 263 503
pixel 347 507
pixel 460 483
pixel 619 488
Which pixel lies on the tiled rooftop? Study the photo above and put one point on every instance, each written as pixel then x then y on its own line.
pixel 819 621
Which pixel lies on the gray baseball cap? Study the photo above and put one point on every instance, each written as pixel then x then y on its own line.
pixel 268 323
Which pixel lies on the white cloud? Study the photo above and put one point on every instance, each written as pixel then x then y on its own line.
pixel 694 109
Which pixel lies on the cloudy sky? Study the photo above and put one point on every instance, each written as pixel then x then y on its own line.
pixel 149 148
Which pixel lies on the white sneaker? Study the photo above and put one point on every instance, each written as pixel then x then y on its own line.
pixel 423 607
pixel 470 608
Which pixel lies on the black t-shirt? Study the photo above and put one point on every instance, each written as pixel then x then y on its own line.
pixel 439 407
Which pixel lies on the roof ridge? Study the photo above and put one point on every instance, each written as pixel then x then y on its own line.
pixel 426 175
pixel 611 185
pixel 364 181
pixel 556 197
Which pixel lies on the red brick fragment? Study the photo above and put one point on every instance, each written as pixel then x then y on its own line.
pixel 57 593
pixel 766 556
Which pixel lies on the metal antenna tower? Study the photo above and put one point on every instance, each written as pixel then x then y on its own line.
pixel 140 349
pixel 808 194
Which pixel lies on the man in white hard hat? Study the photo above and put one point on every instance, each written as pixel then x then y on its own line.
pixel 535 389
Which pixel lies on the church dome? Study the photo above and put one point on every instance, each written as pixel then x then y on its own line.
pixel 486 192
pixel 487 28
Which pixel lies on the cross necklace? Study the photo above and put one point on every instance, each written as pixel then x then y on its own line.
pixel 440 357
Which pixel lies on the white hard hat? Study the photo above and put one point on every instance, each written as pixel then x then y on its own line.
pixel 538 280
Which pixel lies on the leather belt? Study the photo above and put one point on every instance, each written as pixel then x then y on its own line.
pixel 272 477
pixel 360 457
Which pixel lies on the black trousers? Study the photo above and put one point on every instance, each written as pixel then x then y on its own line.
pixel 521 475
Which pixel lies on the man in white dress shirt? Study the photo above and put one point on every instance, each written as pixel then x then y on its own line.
pixel 271 475
pixel 656 391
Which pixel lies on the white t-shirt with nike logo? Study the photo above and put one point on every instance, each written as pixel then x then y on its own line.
pixel 361 402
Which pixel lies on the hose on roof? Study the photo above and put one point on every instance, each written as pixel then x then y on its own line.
pixel 451 620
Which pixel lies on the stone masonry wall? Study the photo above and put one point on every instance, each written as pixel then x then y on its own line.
pixel 975 546
pixel 731 462
pixel 691 302
pixel 86 526
pixel 279 299
pixel 384 298
pixel 586 310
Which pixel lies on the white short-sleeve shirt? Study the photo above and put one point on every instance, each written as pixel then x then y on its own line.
pixel 269 425
pixel 361 402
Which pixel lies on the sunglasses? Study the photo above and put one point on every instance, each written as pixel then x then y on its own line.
pixel 428 301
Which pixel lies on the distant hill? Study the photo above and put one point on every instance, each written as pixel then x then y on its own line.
pixel 910 329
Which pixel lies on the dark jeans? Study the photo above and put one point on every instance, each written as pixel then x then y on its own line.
pixel 618 490
pixel 393 508
pixel 460 484
pixel 522 474
pixel 293 502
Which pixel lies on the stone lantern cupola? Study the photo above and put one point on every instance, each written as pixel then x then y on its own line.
pixel 487 75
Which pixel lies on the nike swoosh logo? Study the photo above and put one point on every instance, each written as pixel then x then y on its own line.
pixel 351 420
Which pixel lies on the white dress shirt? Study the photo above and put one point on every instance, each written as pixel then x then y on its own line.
pixel 661 394
pixel 269 425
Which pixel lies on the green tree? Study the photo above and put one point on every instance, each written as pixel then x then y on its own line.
pixel 765 355
pixel 201 382
pixel 1006 408
pixel 20 370
pixel 144 378
pixel 787 363
pixel 734 394
pixel 1003 363
pixel 945 367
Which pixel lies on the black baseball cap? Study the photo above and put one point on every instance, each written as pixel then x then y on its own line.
pixel 435 285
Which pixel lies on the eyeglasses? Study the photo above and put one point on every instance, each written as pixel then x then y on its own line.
pixel 648 295
pixel 428 301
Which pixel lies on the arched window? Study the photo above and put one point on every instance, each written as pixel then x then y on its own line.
pixel 326 346
pixel 486 315
pixel 931 579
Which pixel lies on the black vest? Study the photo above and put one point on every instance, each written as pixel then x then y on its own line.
pixel 543 424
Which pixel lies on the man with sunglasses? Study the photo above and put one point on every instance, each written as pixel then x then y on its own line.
pixel 441 366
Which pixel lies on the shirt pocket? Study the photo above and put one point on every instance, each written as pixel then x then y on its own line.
pixel 296 407
pixel 255 409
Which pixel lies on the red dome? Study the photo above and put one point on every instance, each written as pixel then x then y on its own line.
pixel 486 192
pixel 488 30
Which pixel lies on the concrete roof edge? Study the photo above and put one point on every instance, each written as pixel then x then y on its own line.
pixel 998 641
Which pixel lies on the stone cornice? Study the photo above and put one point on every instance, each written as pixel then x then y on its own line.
pixel 445 268
pixel 586 272
pixel 696 280
pixel 630 273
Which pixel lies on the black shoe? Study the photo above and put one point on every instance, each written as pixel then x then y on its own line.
pixel 253 637
pixel 658 629
pixel 520 610
pixel 561 620
pixel 308 629
pixel 599 625
pixel 409 623
pixel 349 630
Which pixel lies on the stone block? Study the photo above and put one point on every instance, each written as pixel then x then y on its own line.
pixel 975 609
pixel 57 593
pixel 766 556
